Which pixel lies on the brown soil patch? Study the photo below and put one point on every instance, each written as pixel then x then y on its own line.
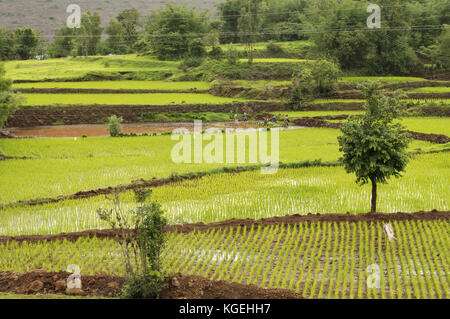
pixel 177 287
pixel 400 85
pixel 289 219
pixel 358 95
pixel 102 129
pixel 314 122
pixel 95 114
pixel 41 282
pixel 195 287
pixel 433 138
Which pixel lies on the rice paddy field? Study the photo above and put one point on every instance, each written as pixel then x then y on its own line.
pixel 117 85
pixel 318 260
pixel 37 99
pixel 54 186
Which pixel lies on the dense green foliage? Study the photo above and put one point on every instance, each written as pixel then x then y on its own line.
pixel 9 102
pixel 170 31
pixel 312 80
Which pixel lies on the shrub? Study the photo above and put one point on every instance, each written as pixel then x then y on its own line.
pixel 232 55
pixel 274 49
pixel 216 53
pixel 312 80
pixel 142 247
pixel 197 48
pixel 114 125
pixel 191 62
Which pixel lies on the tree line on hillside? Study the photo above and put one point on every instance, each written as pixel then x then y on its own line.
pixel 411 31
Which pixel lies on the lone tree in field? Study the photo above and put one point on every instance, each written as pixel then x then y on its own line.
pixel 374 147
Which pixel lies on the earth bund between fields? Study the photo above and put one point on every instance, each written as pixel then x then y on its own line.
pixel 234 223
pixel 315 122
pixel 177 286
pixel 94 114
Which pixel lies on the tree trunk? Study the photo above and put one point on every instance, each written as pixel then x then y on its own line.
pixel 373 207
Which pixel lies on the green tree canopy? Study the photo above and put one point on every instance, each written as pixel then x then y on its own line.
pixel 26 42
pixel 374 147
pixel 170 31
pixel 9 102
pixel 89 34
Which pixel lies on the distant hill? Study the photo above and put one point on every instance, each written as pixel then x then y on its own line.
pixel 49 15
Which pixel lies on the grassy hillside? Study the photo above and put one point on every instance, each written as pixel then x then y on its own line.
pixel 49 15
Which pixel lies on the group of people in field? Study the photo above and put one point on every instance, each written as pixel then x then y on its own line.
pixel 274 119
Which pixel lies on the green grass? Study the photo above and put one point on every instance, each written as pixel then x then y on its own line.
pixel 189 117
pixel 71 68
pixel 326 101
pixel 37 99
pixel 276 60
pixel 115 85
pixel 261 83
pixel 435 125
pixel 356 79
pixel 294 114
pixel 430 90
pixel 420 101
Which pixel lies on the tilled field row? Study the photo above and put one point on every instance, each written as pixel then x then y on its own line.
pixel 248 223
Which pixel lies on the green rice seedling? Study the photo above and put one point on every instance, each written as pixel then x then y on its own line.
pixel 426 259
pixel 282 267
pixel 348 254
pixel 216 260
pixel 332 248
pixel 245 275
pixel 299 237
pixel 279 261
pixel 353 277
pixel 313 238
pixel 262 257
pixel 325 245
pixel 56 99
pixel 269 256
pixel 118 85
pixel 342 258
pixel 407 273
pixel 438 234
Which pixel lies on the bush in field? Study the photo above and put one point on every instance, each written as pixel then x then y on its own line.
pixel 274 49
pixel 313 80
pixel 232 55
pixel 197 48
pixel 216 53
pixel 142 247
pixel 190 62
pixel 115 126
pixel 373 147
pixel 9 102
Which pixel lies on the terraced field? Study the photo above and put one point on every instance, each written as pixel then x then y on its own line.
pixel 117 85
pixel 53 186
pixel 36 99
